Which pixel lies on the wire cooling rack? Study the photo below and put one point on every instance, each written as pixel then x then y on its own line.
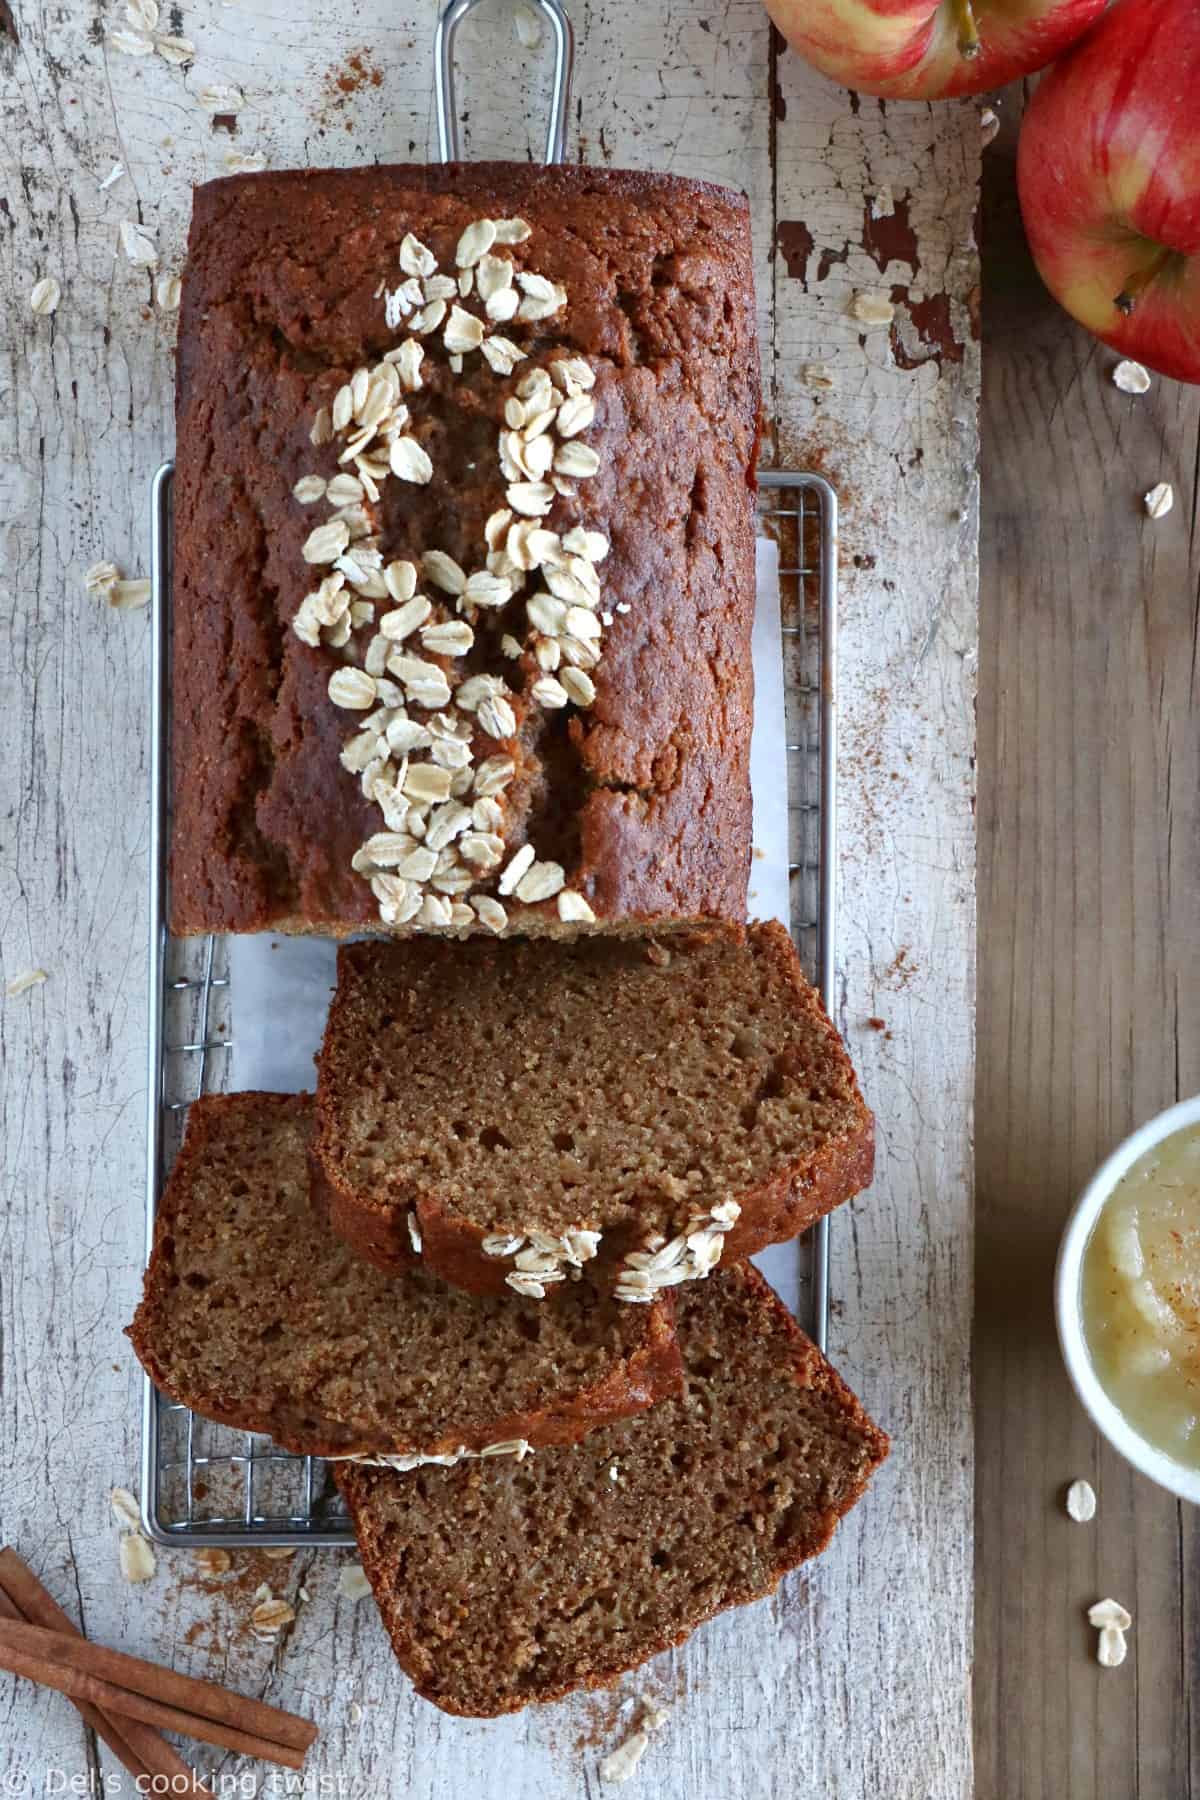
pixel 207 1484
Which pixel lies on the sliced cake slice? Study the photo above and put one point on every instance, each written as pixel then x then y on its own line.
pixel 505 1584
pixel 255 1315
pixel 641 1105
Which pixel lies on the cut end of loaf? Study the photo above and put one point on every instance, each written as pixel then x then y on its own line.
pixel 623 1087
pixel 503 1586
pixel 255 1315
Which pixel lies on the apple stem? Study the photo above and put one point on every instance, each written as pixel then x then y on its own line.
pixel 1138 282
pixel 968 32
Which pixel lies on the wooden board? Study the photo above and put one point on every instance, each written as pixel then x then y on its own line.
pixel 1090 921
pixel 853 1679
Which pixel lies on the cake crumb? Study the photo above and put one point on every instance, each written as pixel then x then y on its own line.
pixel 620 1763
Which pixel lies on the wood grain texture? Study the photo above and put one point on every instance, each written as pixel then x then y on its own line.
pixel 1089 927
pixel 852 1681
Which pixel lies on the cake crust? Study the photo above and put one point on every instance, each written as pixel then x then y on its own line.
pixel 643 797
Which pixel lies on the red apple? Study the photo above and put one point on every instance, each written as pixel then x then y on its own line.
pixel 1108 169
pixel 930 49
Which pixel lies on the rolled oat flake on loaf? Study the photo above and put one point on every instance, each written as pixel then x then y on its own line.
pixel 629 433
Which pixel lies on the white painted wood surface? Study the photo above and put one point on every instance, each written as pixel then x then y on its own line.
pixel 853 1680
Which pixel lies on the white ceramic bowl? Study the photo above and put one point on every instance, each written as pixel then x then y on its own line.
pixel 1104 1414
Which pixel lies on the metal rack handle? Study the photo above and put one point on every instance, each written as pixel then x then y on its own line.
pixel 443 58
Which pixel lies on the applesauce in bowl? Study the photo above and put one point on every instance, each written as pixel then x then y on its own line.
pixel 1141 1296
pixel 1127 1299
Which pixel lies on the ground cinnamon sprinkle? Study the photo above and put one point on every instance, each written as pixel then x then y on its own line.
pixel 231 1595
pixel 599 1722
pixel 358 72
pixel 900 970
pixel 342 82
pixel 604 1714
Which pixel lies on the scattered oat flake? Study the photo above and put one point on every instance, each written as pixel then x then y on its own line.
pixel 989 126
pixel 815 375
pixel 168 290
pixel 620 1763
pixel 654 1716
pixel 1081 1501
pixel 871 308
pixel 143 14
pixel 213 1561
pixel 279 1553
pixel 45 296
pixel 128 596
pixel 1159 501
pixel 355 1712
pixel 131 43
pixel 261 1592
pixel 220 97
pixel 125 1509
pixel 175 50
pixel 527 27
pixel 137 246
pixel 114 175
pixel 100 577
pixel 352 1583
pixel 20 984
pixel 1131 378
pixel 270 1616
pixel 137 1558
pixel 244 162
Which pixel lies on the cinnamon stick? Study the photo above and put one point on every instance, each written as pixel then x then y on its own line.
pixel 162 1686
pixel 110 1733
pixel 138 1749
pixel 57 1670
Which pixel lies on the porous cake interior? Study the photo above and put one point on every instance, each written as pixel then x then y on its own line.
pixel 579 1084
pixel 507 1584
pixel 252 1302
